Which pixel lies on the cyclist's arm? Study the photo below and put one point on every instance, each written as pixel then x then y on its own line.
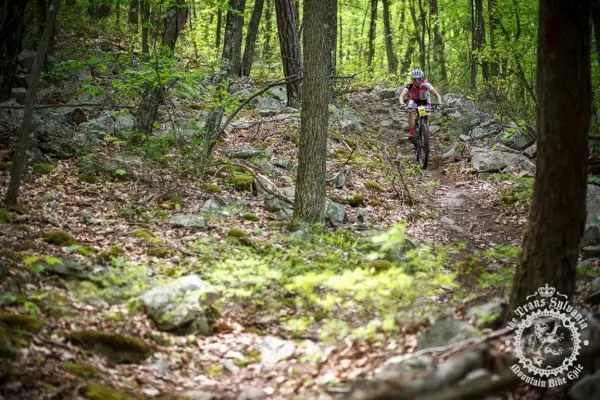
pixel 436 94
pixel 404 92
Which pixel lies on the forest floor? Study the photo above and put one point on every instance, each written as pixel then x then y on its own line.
pixel 452 205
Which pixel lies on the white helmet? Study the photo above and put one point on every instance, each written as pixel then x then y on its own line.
pixel 417 73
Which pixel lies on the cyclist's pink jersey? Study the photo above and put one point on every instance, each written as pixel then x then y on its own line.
pixel 419 94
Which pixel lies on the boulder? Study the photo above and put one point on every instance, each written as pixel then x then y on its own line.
pixel 591 236
pixel 347 120
pixel 113 166
pixel 488 160
pixel 19 94
pixel 188 221
pixel 518 139
pixel 26 59
pixel 245 153
pixel 392 93
pixel 445 332
pixel 221 205
pixel 406 367
pixel 531 150
pixel 181 305
pixel 273 349
pixel 489 314
pixel 335 212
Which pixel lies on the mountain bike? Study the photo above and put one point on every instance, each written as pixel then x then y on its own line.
pixel 421 146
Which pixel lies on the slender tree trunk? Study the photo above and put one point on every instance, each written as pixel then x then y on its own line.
pixel 558 210
pixel 473 46
pixel 41 7
pixel 251 37
pixel 389 43
pixel 402 13
pixel 268 27
pixel 418 35
pixel 133 16
pixel 207 24
pixel 493 24
pixel 332 32
pixel 145 6
pixel 219 29
pixel 596 20
pixel 71 3
pixel 173 24
pixel 12 30
pixel 341 41
pixel 423 23
pixel 480 38
pixel 372 29
pixel 20 158
pixel 235 25
pixel 290 51
pixel 438 45
pixel 410 49
pixel 309 205
pixel 98 8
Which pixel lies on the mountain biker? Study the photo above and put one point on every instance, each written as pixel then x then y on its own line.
pixel 419 90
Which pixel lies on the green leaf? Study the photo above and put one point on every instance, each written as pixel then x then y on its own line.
pixel 30 260
pixel 120 172
pixel 38 268
pixel 53 260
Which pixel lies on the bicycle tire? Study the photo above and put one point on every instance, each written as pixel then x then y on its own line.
pixel 417 144
pixel 424 139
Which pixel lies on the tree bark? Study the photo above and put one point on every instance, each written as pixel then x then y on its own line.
pixel 558 209
pixel 493 24
pixel 389 44
pixel 173 24
pixel 290 49
pixel 219 29
pixel 145 6
pixel 98 9
pixel 11 38
pixel 480 38
pixel 234 27
pixel 472 58
pixel 439 57
pixel 20 158
pixel 133 16
pixel 419 33
pixel 341 41
pixel 332 33
pixel 41 7
pixel 596 21
pixel 71 3
pixel 251 37
pixel 268 27
pixel 372 29
pixel 309 204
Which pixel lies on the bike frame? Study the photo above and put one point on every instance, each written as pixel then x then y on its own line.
pixel 422 133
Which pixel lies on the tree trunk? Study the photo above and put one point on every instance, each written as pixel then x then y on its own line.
pixel 145 6
pixel 410 49
pixel 173 24
pixel 422 21
pixel 290 50
pixel 41 7
pixel 234 28
pixel 251 37
pixel 98 8
pixel 71 3
pixel 480 38
pixel 219 29
pixel 268 27
pixel 558 209
pixel 11 37
pixel 438 45
pixel 372 29
pixel 332 32
pixel 133 16
pixel 309 205
pixel 341 41
pixel 596 20
pixel 389 44
pixel 493 24
pixel 20 158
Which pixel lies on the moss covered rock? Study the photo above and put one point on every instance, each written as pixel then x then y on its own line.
pixel 94 391
pixel 106 256
pixel 374 186
pixel 354 200
pixel 174 198
pixel 241 182
pixel 149 237
pixel 160 252
pixel 5 165
pixel 18 322
pixel 380 265
pixel 211 187
pixel 237 233
pixel 58 238
pixel 251 217
pixel 84 371
pixel 53 304
pixel 117 348
pixel 113 167
pixel 4 216
pixel 43 169
pixel 88 178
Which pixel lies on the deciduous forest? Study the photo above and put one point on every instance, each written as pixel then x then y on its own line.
pixel 296 199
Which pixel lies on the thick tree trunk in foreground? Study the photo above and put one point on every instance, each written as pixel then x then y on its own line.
pixel 11 37
pixel 558 208
pixel 20 158
pixel 309 205
pixel 290 48
pixel 251 37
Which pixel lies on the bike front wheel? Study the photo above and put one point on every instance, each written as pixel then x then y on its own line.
pixel 423 147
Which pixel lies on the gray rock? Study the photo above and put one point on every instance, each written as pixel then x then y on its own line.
pixel 591 236
pixel 444 332
pixel 245 153
pixel 363 215
pixel 272 350
pixel 76 115
pixel 284 163
pixel 586 388
pixel 162 368
pixel 486 129
pixel 274 204
pixel 531 150
pixel 518 140
pixel 110 166
pixel 252 393
pixel 389 94
pixel 188 221
pixel 595 285
pixel 406 367
pixel 487 160
pixel 267 103
pixel 26 59
pixel 590 252
pixel 464 138
pixel 69 269
pixel 181 304
pixel 386 123
pixel 221 205
pixel 279 93
pixel 199 395
pixel 123 125
pixel 19 94
pixel 347 120
pixel 488 314
pixel 335 212
pixel 266 113
pixel 434 129
pixel 301 235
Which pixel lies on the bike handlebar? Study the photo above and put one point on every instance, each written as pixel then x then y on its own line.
pixel 434 107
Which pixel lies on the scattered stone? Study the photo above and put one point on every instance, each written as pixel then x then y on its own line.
pixel 267 103
pixel 518 140
pixel 363 215
pixel 272 350
pixel 434 129
pixel 487 160
pixel 450 223
pixel 188 221
pixel 266 113
pixel 118 348
pixel 590 252
pixel 389 94
pixel 181 305
pixel 223 206
pixel 245 153
pixel 252 393
pixel 113 166
pixel 284 163
pixel 71 270
pixel 406 368
pixel 595 285
pixel 335 212
pixel 445 332
pixel 488 315
pixel 531 150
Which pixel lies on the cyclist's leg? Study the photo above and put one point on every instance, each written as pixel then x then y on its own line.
pixel 411 117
